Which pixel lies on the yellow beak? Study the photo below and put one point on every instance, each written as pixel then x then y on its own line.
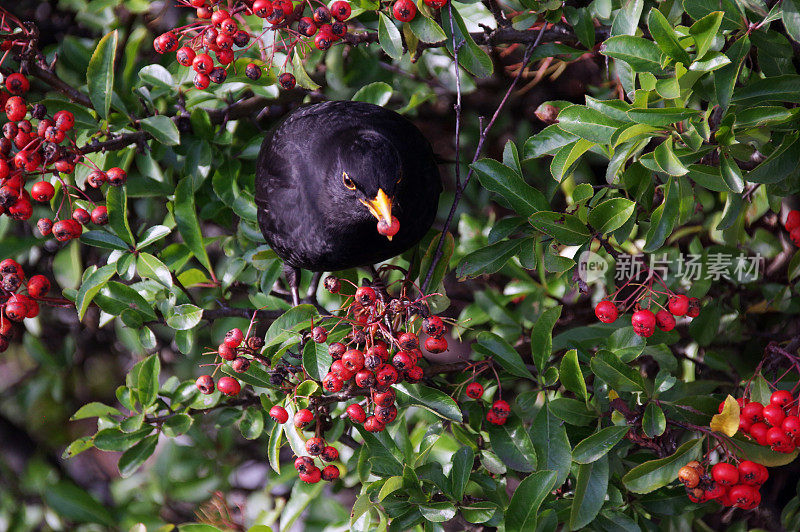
pixel 380 207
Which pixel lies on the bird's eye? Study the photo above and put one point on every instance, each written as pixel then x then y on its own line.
pixel 347 181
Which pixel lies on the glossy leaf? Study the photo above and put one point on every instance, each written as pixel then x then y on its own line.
pixel 513 445
pixel 596 446
pixel 505 182
pixel 527 498
pixel 100 73
pixel 429 398
pixel 590 492
pixel 495 347
pixel 611 214
pixel 188 225
pixel 91 286
pixel 570 374
pixel 655 474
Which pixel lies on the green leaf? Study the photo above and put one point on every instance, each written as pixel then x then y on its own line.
pixel 75 504
pixel 704 30
pixel 565 228
pixel 116 440
pixel 596 446
pixel 153 234
pixel 731 173
pixel 725 78
pixel 459 473
pixel 489 259
pixel 547 142
pixel 147 381
pixel 542 337
pixel 654 423
pixel 618 375
pixel 377 93
pixel 784 88
pixel 94 409
pixel 431 399
pixel 549 437
pixel 389 37
pixel 528 497
pixel 252 423
pixel 565 160
pixel 591 486
pixel 790 15
pixel 135 457
pixel 627 18
pixel 762 454
pixel 162 128
pixel 437 512
pixel 316 360
pixel 588 123
pixel 780 164
pixel 666 159
pixel 570 374
pixel 299 71
pixel 513 445
pixel 495 347
pixel 611 214
pixel 505 182
pixel 177 424
pixel 104 239
pixel 426 29
pixel 661 116
pixel 289 323
pixel 124 297
pixel 655 474
pixel 91 286
pixel 663 219
pixel 184 317
pixel 187 223
pixel 470 56
pixel 100 73
pixel 149 267
pixel 117 204
pixel 572 411
pixel 665 36
pixel 642 55
pixel 448 247
pixel 274 447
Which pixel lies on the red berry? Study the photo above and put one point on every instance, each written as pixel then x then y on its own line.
pixel 474 390
pixel 116 176
pixel 319 334
pixel 201 81
pixel 303 463
pixel 780 398
pixel 42 191
pixel 314 446
pixel 386 229
pixel 338 368
pixel 794 235
pixel 226 352
pixel 234 338
pixel 714 490
pixel 414 374
pixel 340 10
pixel 773 415
pixel 386 375
pixel 322 15
pixel 386 414
pixel 742 495
pixel 15 310
pixel 678 305
pixel 404 10
pixel 204 12
pixel 64 120
pixel 21 210
pixel 356 413
pixel 494 419
pixel 791 426
pixel 229 386
pixel 302 418
pixel 665 321
pixel 329 454
pixel 759 432
pixel 185 56
pixel 240 364
pixel 336 350
pixel 100 215
pixel 262 8
pixel 202 63
pixel 436 4
pixel 408 341
pixel 373 424
pixel 435 345
pixel 725 474
pixel 279 414
pixel 644 323
pixel 792 221
pixel 241 38
pixel 64 230
pixel 15 108
pixel 330 473
pixel 81 216
pixel 332 383
pixel 252 71
pixel 606 311
pixel 96 178
pixel 402 361
pixel 38 286
pixel 17 84
pixel 753 412
pixel 501 408
pixel 287 81
pixel 365 379
pixel 312 475
pixel 228 27
pixel 205 384
pixel 779 441
pixel 749 473
pixel 384 398
pixel 694 307
pixel 353 360
pixel 434 326
pixel 366 296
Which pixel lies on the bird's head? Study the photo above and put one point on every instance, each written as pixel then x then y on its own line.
pixel 369 172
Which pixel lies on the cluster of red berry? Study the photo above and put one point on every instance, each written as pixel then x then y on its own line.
pixel 15 305
pixel 315 447
pixel 220 31
pixel 726 483
pixel 792 225
pixel 500 409
pixel 644 321
pixel 28 149
pixel 775 425
pixel 234 349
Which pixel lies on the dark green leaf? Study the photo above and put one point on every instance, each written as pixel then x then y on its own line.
pixel 618 375
pixel 704 30
pixel 549 437
pixel 661 116
pixel 572 411
pixel 252 424
pixel 524 505
pixel 498 349
pixel 117 204
pixel 100 73
pixel 653 422
pixel 184 317
pixel 91 286
pixel 162 128
pixel 187 223
pixel 316 360
pixel 642 55
pixel 780 164
pixel 459 474
pixel 389 37
pixel 426 29
pixel 790 14
pixel 470 56
pixel 542 337
pixel 431 399
pixel 103 239
pixel 598 444
pixel 513 445
pixel 547 142
pixel 274 447
pixel 611 214
pixel 76 505
pixel 731 173
pixel 571 375
pixel 147 381
pixel 489 259
pixel 94 409
pixel 665 36
pixel 116 440
pixel 655 474
pixel 133 458
pixel 591 487
pixel 663 219
pixel 505 182
pixel 149 267
pixel 784 88
pixel 289 324
pixel 588 123
pixel 565 228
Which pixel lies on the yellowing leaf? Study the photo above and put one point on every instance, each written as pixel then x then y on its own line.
pixel 612 395
pixel 728 421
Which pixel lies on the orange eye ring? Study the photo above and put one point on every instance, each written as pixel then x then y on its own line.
pixel 347 181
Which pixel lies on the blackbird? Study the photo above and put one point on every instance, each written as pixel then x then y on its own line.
pixel 331 174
